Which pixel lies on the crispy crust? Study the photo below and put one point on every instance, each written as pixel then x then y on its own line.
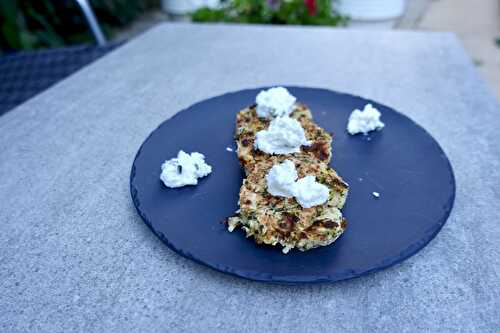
pixel 277 220
pixel 248 124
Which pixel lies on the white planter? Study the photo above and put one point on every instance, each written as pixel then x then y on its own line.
pixel 184 7
pixel 371 13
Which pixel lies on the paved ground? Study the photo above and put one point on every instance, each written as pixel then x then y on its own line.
pixel 477 23
pixel 143 23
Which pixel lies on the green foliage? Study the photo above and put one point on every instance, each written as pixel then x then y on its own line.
pixel 28 24
pixel 209 15
pixel 271 12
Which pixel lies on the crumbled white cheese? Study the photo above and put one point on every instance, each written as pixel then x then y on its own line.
pixel 274 102
pixel 184 170
pixel 364 121
pixel 308 192
pixel 281 179
pixel 229 149
pixel 285 135
pixel 376 194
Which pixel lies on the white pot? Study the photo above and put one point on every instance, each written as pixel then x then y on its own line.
pixel 184 7
pixel 371 10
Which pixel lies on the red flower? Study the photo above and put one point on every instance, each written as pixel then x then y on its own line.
pixel 311 6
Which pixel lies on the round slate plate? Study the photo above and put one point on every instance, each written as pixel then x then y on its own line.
pixel 402 162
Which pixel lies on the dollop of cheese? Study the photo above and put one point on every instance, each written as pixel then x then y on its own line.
pixel 184 170
pixel 364 121
pixel 285 135
pixel 309 193
pixel 281 179
pixel 274 102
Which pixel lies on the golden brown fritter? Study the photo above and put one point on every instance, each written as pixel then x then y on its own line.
pixel 248 124
pixel 277 220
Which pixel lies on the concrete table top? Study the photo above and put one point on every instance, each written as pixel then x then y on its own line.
pixel 75 256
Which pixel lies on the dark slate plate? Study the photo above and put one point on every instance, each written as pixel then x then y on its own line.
pixel 402 162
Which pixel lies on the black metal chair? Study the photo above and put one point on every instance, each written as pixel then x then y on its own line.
pixel 25 74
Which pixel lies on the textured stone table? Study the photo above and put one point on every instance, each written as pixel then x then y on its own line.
pixel 75 256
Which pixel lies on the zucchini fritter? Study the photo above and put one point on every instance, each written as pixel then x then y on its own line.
pixel 248 124
pixel 277 220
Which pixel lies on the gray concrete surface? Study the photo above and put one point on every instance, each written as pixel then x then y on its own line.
pixel 477 23
pixel 414 11
pixel 74 255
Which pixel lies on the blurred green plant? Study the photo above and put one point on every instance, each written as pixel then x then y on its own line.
pixel 29 24
pixel 304 12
